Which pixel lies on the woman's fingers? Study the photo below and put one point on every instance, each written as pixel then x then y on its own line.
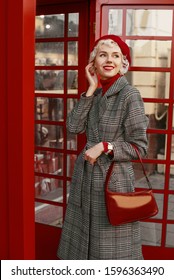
pixel 91 74
pixel 90 159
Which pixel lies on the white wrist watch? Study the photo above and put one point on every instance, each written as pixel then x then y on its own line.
pixel 110 148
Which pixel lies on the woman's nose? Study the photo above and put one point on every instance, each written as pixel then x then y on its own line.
pixel 109 59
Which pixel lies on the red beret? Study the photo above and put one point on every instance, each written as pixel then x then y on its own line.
pixel 123 46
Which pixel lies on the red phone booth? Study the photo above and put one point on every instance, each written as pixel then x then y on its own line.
pixel 43 55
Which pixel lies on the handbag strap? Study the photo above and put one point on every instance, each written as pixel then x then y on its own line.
pixel 140 159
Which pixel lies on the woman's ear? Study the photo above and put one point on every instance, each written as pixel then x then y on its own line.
pixel 92 69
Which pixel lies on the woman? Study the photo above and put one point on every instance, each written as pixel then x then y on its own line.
pixel 113 117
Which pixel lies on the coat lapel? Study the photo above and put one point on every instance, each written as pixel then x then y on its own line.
pixel 113 90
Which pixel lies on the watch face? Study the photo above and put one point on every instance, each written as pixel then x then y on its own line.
pixel 110 146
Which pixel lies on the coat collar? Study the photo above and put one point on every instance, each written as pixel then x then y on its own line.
pixel 117 86
pixel 113 90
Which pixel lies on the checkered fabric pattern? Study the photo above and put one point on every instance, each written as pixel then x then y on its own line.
pixel 117 117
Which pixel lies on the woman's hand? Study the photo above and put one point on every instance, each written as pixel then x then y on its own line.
pixel 93 153
pixel 92 78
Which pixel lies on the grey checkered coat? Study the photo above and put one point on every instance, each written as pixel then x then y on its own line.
pixel 117 117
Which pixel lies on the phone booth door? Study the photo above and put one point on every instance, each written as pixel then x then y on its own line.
pixel 61 54
pixel 152 73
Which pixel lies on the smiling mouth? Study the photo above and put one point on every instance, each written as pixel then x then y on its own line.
pixel 108 68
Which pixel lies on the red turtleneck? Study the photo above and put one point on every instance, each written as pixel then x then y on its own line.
pixel 107 83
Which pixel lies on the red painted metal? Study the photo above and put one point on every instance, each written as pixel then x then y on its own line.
pixel 3 137
pixel 157 253
pixel 17 121
pixel 47 240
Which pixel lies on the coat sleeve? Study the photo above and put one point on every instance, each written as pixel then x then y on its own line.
pixel 76 120
pixel 134 124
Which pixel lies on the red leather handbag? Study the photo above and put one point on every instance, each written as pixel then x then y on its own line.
pixel 132 206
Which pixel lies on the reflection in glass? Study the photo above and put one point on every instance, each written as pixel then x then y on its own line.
pixel 50 26
pixel 55 109
pixel 49 54
pixel 150 53
pixel 71 102
pixel 49 81
pixel 71 141
pixel 171 182
pixel 49 109
pixel 72 82
pixel 67 190
pixel 170 213
pixel 115 21
pixel 157 113
pixel 149 22
pixel 70 164
pixel 49 136
pixel 159 199
pixel 156 146
pixel 48 214
pixel 151 84
pixel 151 233
pixel 48 189
pixel 155 173
pixel 169 236
pixel 172 148
pixel 73 25
pixel 48 162
pixel 72 53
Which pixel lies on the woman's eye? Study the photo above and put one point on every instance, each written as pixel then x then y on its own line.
pixel 116 56
pixel 102 55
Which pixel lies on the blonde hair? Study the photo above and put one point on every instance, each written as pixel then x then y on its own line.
pixel 110 43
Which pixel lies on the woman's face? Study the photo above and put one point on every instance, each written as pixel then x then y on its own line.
pixel 108 61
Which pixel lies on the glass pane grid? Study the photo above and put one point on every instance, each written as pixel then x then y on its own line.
pixel 150 42
pixel 56 75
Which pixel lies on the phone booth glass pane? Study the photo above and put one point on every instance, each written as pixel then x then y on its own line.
pixel 50 26
pixel 148 22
